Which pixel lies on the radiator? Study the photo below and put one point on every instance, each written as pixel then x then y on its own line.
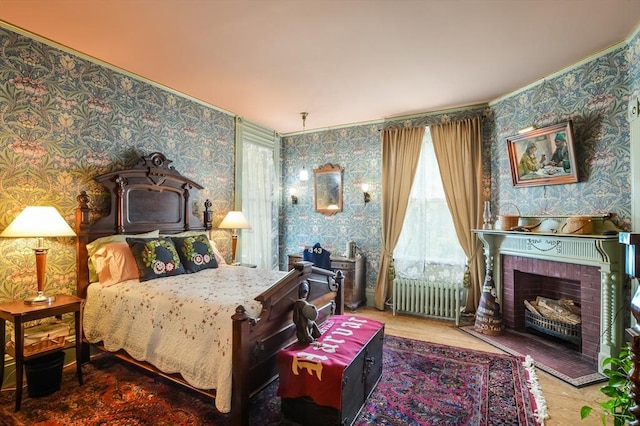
pixel 418 297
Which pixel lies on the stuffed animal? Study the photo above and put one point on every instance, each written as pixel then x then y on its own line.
pixel 304 317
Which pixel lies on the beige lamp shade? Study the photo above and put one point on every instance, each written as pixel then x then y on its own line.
pixel 234 220
pixel 37 222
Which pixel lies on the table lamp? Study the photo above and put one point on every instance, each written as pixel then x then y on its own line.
pixel 234 220
pixel 39 222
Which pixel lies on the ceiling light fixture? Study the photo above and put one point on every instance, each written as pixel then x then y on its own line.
pixel 304 174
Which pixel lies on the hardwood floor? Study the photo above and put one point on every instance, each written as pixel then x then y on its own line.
pixel 563 400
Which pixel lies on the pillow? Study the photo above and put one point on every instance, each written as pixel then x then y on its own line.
pixel 195 252
pixel 155 257
pixel 95 245
pixel 216 251
pixel 115 263
pixel 217 254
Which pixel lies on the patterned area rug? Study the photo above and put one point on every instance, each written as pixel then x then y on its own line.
pixel 422 384
pixel 560 359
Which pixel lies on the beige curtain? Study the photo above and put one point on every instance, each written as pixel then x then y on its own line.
pixel 458 149
pixel 400 154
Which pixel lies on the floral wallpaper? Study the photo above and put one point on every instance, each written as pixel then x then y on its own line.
pixel 358 150
pixel 595 96
pixel 64 120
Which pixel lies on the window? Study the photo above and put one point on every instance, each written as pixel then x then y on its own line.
pixel 428 247
pixel 257 176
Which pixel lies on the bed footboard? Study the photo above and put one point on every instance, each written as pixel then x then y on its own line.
pixel 256 341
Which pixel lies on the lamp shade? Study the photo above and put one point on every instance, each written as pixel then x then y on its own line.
pixel 37 222
pixel 234 220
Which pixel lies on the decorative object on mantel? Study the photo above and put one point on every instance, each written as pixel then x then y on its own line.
pixel 582 225
pixel 596 224
pixel 543 156
pixel 487 218
pixel 489 315
pixel 508 221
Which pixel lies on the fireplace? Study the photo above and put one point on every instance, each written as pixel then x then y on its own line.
pixel 585 268
pixel 526 278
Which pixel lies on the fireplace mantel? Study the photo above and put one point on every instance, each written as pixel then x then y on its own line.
pixel 601 251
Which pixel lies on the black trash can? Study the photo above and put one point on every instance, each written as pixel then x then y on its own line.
pixel 44 374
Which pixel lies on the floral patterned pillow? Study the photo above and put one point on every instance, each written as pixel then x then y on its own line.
pixel 195 252
pixel 156 257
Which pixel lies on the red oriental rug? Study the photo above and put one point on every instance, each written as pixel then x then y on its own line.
pixel 422 384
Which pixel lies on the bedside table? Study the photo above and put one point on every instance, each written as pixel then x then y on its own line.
pixel 18 313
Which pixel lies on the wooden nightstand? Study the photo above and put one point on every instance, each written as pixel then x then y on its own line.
pixel 18 313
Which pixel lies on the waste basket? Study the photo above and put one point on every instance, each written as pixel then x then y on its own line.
pixel 44 374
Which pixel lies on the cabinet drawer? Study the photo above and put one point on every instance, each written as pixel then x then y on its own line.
pixel 343 266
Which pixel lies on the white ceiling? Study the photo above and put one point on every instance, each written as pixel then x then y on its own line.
pixel 344 62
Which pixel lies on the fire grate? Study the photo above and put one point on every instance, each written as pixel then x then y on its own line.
pixel 562 330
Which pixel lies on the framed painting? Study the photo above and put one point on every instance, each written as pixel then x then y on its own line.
pixel 328 189
pixel 543 156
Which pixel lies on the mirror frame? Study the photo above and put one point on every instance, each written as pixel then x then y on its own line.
pixel 327 181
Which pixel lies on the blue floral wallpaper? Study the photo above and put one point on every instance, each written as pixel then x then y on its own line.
pixel 358 150
pixel 595 96
pixel 64 120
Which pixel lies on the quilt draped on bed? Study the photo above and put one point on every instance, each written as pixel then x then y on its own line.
pixel 179 324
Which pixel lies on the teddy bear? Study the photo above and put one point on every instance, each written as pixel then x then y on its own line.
pixel 304 317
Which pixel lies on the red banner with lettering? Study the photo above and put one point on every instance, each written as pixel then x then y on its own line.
pixel 315 370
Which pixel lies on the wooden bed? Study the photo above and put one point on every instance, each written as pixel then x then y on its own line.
pixel 152 195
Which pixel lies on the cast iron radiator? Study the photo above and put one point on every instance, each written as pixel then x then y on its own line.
pixel 419 297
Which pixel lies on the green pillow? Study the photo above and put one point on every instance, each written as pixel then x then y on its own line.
pixel 195 252
pixel 155 257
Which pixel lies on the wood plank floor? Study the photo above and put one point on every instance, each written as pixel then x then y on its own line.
pixel 563 400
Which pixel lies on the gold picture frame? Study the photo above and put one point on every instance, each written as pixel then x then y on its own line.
pixel 328 189
pixel 543 156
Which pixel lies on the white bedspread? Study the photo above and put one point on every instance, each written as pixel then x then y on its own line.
pixel 179 324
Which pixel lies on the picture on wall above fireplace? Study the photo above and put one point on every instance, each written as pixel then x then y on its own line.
pixel 543 156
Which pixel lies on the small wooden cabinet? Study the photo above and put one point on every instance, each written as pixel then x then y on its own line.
pixel 19 313
pixel 354 273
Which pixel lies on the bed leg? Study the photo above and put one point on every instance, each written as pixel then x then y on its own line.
pixel 240 367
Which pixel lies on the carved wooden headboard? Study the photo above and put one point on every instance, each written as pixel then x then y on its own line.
pixel 151 195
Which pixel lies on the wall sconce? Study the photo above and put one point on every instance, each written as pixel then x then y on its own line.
pixel 304 174
pixel 365 191
pixel 294 199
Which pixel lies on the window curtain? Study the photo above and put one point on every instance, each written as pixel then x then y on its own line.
pixel 458 149
pixel 400 154
pixel 257 197
pixel 428 247
pixel 256 192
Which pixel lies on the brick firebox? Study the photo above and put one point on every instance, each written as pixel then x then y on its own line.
pixel 525 278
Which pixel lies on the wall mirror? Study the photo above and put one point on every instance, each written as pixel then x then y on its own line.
pixel 328 189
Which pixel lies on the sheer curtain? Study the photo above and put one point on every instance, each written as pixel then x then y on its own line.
pixel 428 247
pixel 258 194
pixel 400 152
